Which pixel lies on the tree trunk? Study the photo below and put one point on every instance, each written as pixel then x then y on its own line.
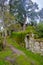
pixel 5 36
pixel 3 18
pixel 24 25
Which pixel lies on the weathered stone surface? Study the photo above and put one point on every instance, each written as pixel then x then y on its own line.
pixel 27 44
pixel 34 45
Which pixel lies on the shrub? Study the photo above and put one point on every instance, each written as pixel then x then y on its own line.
pixel 15 27
pixel 19 37
pixel 31 29
pixel 39 30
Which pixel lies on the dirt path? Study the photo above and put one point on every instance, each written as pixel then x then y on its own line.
pixel 15 51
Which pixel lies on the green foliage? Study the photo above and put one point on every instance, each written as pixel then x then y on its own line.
pixel 9 19
pixel 35 59
pixel 3 55
pixel 22 60
pixel 18 11
pixel 2 62
pixel 21 11
pixel 19 37
pixel 31 29
pixel 15 27
pixel 39 30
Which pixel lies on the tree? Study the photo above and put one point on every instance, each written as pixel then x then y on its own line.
pixel 23 8
pixel 7 18
pixel 2 2
pixel 17 8
pixel 40 13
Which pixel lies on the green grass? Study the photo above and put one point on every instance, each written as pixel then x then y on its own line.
pixel 19 60
pixel 37 58
pixel 22 60
pixel 3 54
pixel 28 59
pixel 2 62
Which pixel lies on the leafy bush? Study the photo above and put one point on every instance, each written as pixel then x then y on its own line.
pixel 19 37
pixel 15 27
pixel 39 30
pixel 31 29
pixel 35 59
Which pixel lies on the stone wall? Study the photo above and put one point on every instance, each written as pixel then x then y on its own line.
pixel 34 45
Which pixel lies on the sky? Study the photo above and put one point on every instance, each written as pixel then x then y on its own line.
pixel 39 2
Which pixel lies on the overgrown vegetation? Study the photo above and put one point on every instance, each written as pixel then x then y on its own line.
pixel 19 37
pixel 34 59
pixel 39 30
pixel 13 18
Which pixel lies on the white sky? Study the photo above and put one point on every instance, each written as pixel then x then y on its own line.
pixel 7 2
pixel 39 2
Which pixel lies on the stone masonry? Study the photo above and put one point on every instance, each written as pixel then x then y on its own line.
pixel 35 45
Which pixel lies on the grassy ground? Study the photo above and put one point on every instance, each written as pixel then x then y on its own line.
pixel 28 59
pixel 3 54
pixel 19 60
pixel 35 59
